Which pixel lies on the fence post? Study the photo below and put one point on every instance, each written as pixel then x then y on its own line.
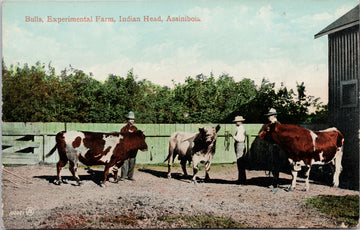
pixel 43 152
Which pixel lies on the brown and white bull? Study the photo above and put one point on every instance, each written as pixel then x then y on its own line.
pixel 305 148
pixel 196 147
pixel 92 148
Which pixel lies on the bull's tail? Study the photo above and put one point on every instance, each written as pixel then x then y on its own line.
pixel 168 156
pixel 170 153
pixel 51 151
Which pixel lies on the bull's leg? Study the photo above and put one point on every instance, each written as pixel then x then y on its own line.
pixel 294 171
pixel 118 165
pixel 106 172
pixel 207 169
pixel 115 172
pixel 59 166
pixel 307 175
pixel 183 166
pixel 338 167
pixel 195 167
pixel 195 170
pixel 169 170
pixel 73 169
pixel 170 161
pixel 275 173
pixel 293 182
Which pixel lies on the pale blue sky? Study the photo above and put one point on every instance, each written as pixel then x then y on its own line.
pixel 255 39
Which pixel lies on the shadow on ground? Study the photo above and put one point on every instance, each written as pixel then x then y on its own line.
pixel 95 176
pixel 258 181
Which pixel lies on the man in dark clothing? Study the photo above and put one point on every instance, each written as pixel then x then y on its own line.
pixel 128 167
pixel 274 149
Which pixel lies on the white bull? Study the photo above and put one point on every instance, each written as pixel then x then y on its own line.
pixel 196 147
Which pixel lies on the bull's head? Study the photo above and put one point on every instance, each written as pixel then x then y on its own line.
pixel 267 131
pixel 140 140
pixel 208 133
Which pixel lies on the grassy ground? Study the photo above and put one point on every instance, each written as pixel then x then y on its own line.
pixel 197 221
pixel 202 221
pixel 344 208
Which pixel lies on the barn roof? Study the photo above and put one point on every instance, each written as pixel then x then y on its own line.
pixel 350 19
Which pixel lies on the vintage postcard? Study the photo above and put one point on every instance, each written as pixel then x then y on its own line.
pixel 114 112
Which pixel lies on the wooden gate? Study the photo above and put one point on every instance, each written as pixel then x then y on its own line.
pixel 25 143
pixel 21 149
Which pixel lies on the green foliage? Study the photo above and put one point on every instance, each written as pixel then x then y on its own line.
pixel 28 88
pixel 346 208
pixel 291 107
pixel 319 116
pixel 36 93
pixel 201 221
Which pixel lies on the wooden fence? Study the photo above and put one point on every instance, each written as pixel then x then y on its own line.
pixel 28 143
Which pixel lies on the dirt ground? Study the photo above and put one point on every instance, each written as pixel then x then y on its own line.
pixel 30 199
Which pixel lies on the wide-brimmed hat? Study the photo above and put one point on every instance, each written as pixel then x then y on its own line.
pixel 239 118
pixel 131 115
pixel 271 112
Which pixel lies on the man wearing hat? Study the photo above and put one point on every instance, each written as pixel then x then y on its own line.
pixel 239 146
pixel 128 167
pixel 272 114
pixel 273 149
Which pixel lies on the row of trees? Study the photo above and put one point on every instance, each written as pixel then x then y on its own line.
pixel 37 93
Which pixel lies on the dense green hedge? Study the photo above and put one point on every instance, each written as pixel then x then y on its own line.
pixel 37 93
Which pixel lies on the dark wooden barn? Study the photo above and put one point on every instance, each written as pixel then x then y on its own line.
pixel 344 76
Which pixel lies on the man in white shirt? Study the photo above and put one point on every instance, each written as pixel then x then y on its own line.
pixel 239 146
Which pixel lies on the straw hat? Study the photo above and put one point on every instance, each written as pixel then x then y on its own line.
pixel 131 115
pixel 239 118
pixel 271 112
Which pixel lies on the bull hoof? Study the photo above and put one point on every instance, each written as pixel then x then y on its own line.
pixel 290 189
pixel 57 182
pixel 274 189
pixel 334 185
pixel 169 176
pixel 114 180
pixel 102 184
